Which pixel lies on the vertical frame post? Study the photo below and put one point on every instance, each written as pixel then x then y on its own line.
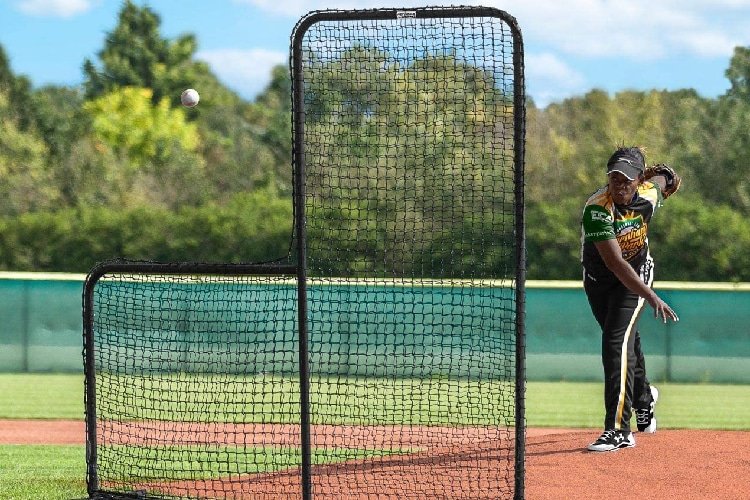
pixel 89 364
pixel 519 116
pixel 298 155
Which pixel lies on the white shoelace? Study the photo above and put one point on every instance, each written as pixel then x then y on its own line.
pixel 607 435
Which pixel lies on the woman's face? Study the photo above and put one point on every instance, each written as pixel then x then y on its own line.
pixel 621 188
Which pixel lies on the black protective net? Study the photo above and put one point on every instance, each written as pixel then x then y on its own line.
pixel 411 209
pixel 408 161
pixel 193 383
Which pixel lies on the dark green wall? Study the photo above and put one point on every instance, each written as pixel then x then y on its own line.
pixel 41 330
pixel 710 343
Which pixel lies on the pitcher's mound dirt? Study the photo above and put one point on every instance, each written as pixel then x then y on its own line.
pixel 684 464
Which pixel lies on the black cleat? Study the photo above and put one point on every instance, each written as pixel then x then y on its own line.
pixel 611 440
pixel 644 417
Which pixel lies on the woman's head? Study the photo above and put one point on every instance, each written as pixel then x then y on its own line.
pixel 625 173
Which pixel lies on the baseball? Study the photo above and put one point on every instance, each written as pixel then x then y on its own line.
pixel 189 98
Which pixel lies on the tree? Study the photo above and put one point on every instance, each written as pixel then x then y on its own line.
pixel 688 135
pixel 157 144
pixel 553 239
pixel 272 113
pixel 136 55
pixel 699 241
pixel 17 90
pixel 569 146
pixel 722 171
pixel 59 118
pixel 25 179
pixel 127 121
pixel 738 74
pixel 249 145
pixel 236 158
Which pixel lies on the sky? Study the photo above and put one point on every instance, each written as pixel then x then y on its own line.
pixel 570 46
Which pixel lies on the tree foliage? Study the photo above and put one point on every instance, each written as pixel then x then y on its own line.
pixel 126 121
pixel 136 55
pixel 17 92
pixel 252 227
pixel 119 168
pixel 738 74
pixel 27 182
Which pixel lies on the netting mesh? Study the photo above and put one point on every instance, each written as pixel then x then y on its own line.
pixel 195 382
pixel 408 139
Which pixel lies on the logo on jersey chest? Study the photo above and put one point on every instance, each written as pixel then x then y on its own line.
pixel 631 232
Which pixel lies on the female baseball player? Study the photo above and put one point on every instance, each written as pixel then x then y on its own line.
pixel 617 278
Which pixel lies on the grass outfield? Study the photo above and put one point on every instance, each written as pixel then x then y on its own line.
pixel 549 404
pixel 58 472
pixel 42 472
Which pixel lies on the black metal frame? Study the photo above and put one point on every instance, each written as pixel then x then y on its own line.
pixel 300 268
pixel 519 146
pixel 120 266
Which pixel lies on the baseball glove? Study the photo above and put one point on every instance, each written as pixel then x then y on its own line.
pixel 671 178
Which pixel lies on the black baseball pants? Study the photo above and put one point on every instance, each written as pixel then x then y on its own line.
pixel 617 310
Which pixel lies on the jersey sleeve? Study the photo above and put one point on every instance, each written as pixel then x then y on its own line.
pixel 597 224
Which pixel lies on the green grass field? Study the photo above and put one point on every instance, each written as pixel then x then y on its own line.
pixel 58 472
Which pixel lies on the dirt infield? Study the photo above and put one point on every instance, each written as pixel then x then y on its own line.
pixel 685 464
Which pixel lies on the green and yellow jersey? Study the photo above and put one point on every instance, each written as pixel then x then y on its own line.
pixel 604 220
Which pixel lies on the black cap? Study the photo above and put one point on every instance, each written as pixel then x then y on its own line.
pixel 628 161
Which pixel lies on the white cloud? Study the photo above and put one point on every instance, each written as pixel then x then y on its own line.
pixel 54 8
pixel 594 33
pixel 636 29
pixel 550 79
pixel 245 71
pixel 708 44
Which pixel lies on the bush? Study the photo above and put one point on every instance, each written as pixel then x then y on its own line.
pixel 252 227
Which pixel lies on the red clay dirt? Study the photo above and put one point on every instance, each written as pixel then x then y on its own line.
pixel 671 464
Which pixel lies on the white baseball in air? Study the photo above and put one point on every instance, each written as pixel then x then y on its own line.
pixel 190 98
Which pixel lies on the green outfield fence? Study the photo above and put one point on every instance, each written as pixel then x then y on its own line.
pixel 41 330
